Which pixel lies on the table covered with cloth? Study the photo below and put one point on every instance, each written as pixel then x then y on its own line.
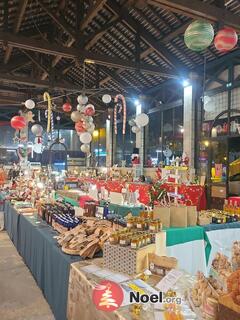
pixel 35 242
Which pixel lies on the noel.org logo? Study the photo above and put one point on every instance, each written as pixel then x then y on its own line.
pixel 107 296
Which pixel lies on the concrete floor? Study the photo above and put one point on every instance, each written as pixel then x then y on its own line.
pixel 20 297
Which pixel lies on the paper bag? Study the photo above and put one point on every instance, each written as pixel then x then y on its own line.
pixel 178 216
pixel 162 213
pixel 191 215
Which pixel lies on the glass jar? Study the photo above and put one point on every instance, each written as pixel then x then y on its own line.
pixel 114 238
pixel 153 226
pixel 140 224
pixel 130 223
pixel 135 243
pixel 123 240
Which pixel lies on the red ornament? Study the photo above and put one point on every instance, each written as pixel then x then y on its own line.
pixel 89 110
pixel 80 126
pixel 226 39
pixel 18 122
pixel 67 107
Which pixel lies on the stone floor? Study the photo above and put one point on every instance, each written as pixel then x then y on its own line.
pixel 20 297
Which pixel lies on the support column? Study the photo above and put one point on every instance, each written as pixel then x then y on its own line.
pixel 189 112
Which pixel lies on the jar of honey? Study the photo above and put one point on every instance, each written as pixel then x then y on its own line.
pixel 140 224
pixel 114 238
pixel 130 223
pixel 135 243
pixel 123 240
pixel 153 226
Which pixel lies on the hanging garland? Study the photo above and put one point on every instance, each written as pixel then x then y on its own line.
pixel 123 108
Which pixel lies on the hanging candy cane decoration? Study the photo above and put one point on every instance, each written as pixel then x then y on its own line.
pixel 46 97
pixel 51 134
pixel 123 108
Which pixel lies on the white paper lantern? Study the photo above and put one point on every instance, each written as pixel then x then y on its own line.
pixel 142 120
pixel 76 116
pixel 132 122
pixel 80 108
pixel 85 137
pixel 91 128
pixel 37 129
pixel 29 104
pixel 106 98
pixel 85 148
pixel 82 99
pixel 135 129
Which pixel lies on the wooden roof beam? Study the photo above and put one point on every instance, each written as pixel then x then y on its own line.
pixel 17 24
pixel 199 10
pixel 92 12
pixel 71 53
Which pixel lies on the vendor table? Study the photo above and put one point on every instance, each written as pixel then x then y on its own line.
pixel 35 242
pixel 123 210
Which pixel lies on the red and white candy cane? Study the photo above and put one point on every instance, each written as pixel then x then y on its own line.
pixel 124 108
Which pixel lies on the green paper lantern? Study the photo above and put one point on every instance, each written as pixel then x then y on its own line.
pixel 198 35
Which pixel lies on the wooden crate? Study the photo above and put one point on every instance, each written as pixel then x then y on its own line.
pixel 125 259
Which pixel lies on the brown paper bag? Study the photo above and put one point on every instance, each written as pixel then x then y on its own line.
pixel 162 213
pixel 178 216
pixel 191 215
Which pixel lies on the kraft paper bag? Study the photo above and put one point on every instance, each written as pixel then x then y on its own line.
pixel 179 216
pixel 192 216
pixel 162 213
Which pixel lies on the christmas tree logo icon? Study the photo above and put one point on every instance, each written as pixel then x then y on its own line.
pixel 107 296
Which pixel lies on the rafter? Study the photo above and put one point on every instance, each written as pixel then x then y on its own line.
pixel 199 10
pixel 71 53
pixel 17 24
pixel 36 62
pixel 92 12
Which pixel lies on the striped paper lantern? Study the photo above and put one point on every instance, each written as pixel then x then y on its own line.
pixel 18 122
pixel 198 35
pixel 226 39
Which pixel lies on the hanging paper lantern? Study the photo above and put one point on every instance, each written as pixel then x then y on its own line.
pixel 76 116
pixel 29 104
pixel 106 98
pixel 80 126
pixel 135 129
pixel 18 122
pixel 142 120
pixel 85 148
pixel 198 35
pixel 67 107
pixel 80 108
pixel 37 129
pixel 82 99
pixel 89 110
pixel 86 137
pixel 91 128
pixel 226 39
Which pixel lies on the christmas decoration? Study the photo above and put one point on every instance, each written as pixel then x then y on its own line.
pixel 82 99
pixel 85 137
pixel 226 39
pixel 157 193
pixel 122 108
pixel 85 148
pixel 80 126
pixel 37 130
pixel 132 122
pixel 80 108
pixel 76 116
pixel 46 97
pixel 29 116
pixel 142 120
pixel 89 110
pixel 198 35
pixel 18 122
pixel 135 129
pixel 106 98
pixel 29 104
pixel 67 107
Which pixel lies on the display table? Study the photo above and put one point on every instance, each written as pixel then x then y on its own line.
pixel 35 242
pixel 219 238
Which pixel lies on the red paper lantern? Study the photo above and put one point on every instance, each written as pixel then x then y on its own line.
pixel 89 110
pixel 80 126
pixel 18 122
pixel 226 39
pixel 67 107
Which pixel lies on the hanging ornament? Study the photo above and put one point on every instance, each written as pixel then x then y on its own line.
pixel 135 129
pixel 82 99
pixel 89 119
pixel 18 122
pixel 29 104
pixel 46 97
pixel 80 108
pixel 80 126
pixel 123 108
pixel 67 107
pixel 132 122
pixel 226 39
pixel 142 120
pixel 29 116
pixel 85 148
pixel 91 128
pixel 38 147
pixel 37 129
pixel 85 137
pixel 198 35
pixel 89 110
pixel 76 116
pixel 106 98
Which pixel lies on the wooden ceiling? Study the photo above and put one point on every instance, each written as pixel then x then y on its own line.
pixel 126 46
